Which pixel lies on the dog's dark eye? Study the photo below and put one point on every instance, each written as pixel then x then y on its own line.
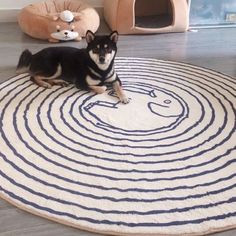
pixel 72 30
pixel 58 30
pixel 96 50
pixel 108 50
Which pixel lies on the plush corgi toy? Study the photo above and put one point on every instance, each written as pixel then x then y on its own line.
pixel 63 27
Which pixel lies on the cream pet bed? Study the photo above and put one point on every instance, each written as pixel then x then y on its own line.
pixel 37 21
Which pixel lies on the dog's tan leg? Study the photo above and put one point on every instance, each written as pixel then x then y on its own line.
pixel 94 85
pixel 98 89
pixel 39 80
pixel 48 82
pixel 57 82
pixel 120 93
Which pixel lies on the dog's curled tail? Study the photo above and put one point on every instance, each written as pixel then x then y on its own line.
pixel 24 62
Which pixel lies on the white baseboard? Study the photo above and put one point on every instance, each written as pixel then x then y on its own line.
pixel 10 15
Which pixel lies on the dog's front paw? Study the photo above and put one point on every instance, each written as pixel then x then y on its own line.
pixel 99 89
pixel 125 100
pixel 45 85
pixel 62 83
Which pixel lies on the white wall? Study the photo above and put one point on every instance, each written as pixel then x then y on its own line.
pixel 10 8
pixel 18 4
pixel 14 4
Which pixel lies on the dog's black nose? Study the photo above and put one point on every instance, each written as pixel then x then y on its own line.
pixel 101 59
pixel 66 33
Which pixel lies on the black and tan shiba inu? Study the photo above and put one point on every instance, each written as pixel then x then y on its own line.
pixel 90 68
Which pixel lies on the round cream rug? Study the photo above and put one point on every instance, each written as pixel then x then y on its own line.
pixel 164 164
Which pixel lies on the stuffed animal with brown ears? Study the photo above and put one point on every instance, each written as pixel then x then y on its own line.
pixel 63 27
pixel 59 20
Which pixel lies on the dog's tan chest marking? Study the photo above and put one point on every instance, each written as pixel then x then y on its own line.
pixel 111 78
pixel 94 72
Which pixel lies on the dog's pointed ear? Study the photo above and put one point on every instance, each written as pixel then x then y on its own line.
pixel 114 36
pixel 90 36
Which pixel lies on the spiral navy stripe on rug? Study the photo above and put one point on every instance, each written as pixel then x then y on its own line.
pixel 162 164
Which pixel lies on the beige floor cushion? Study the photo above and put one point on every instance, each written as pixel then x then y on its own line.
pixel 40 20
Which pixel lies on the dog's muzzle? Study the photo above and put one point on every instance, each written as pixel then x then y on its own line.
pixel 102 59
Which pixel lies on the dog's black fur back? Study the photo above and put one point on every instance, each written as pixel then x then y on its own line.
pixel 46 61
pixel 75 62
pixel 87 68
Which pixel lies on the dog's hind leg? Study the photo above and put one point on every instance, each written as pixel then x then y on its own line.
pixel 57 82
pixel 39 80
pixel 49 81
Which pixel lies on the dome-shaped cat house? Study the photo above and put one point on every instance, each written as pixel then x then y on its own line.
pixel 147 16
